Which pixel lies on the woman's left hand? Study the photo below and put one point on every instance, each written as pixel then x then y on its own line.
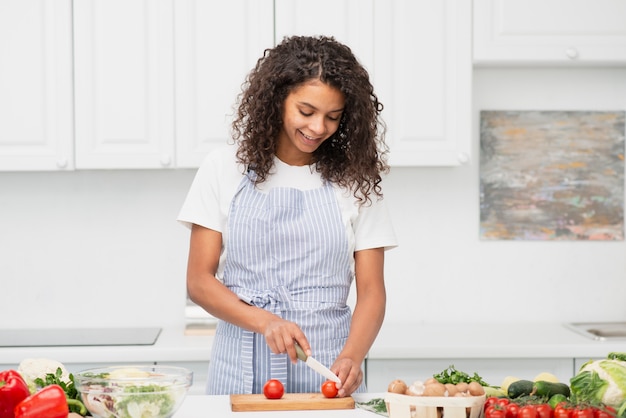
pixel 350 374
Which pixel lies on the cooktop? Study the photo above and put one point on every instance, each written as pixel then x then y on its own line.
pixel 56 337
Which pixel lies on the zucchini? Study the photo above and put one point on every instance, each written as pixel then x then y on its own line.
pixel 520 388
pixel 549 389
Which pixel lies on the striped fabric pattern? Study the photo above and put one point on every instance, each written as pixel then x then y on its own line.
pixel 287 253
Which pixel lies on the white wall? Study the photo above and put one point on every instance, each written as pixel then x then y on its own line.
pixel 102 248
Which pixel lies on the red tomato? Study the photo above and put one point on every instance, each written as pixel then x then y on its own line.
pixel 562 411
pixel 512 410
pixel 490 401
pixel 604 412
pixel 582 412
pixel 329 389
pixel 494 411
pixel 527 411
pixel 544 411
pixel 273 389
pixel 503 401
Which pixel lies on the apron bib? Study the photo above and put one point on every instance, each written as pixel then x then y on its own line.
pixel 287 253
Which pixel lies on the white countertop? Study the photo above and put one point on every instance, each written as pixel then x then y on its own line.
pixel 395 341
pixel 219 406
pixel 413 340
pixel 172 345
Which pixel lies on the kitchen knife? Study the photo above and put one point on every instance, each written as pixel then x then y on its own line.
pixel 316 365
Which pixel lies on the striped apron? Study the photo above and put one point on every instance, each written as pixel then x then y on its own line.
pixel 287 252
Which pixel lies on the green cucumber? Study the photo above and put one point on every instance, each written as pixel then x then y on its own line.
pixel 556 399
pixel 549 389
pixel 520 388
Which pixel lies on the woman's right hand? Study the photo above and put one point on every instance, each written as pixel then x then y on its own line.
pixel 281 335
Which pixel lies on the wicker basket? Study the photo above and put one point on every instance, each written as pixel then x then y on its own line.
pixel 403 406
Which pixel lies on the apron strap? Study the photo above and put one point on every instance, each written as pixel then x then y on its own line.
pixel 271 300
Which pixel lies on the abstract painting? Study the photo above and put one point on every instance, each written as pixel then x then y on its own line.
pixel 552 175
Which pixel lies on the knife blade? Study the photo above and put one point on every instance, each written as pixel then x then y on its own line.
pixel 316 365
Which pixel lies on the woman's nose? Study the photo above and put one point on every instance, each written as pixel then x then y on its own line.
pixel 318 125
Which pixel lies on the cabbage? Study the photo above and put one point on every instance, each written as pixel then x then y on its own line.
pixel 601 381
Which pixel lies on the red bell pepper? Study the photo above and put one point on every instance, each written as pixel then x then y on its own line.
pixel 49 402
pixel 13 390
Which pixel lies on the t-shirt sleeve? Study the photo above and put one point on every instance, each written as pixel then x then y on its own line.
pixel 204 203
pixel 373 227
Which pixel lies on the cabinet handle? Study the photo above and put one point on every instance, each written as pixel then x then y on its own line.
pixel 571 53
pixel 166 160
pixel 463 157
pixel 62 162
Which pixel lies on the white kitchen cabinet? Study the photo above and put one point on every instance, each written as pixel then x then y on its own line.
pixel 554 32
pixel 124 83
pixel 349 21
pixel 419 58
pixel 423 75
pixel 36 130
pixel 380 372
pixel 216 44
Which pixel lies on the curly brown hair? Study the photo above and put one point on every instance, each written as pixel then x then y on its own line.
pixel 355 155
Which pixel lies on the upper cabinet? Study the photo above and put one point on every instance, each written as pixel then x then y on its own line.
pixel 423 75
pixel 419 58
pixel 124 83
pixel 216 44
pixel 351 22
pixel 554 32
pixel 36 125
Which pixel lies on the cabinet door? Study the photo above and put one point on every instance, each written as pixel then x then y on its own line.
pixel 124 83
pixel 349 21
pixel 216 44
pixel 550 32
pixel 423 74
pixel 36 85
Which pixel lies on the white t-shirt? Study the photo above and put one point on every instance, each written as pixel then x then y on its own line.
pixel 216 182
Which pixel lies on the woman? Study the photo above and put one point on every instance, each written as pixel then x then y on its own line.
pixel 284 220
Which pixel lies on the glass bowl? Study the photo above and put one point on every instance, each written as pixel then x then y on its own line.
pixel 133 391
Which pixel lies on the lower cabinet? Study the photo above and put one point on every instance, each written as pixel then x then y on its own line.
pixel 380 372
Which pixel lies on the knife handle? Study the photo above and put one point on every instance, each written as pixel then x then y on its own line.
pixel 300 352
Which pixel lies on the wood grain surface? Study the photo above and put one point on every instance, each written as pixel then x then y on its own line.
pixel 289 402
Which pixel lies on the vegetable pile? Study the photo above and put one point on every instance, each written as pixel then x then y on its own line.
pixel 598 390
pixel 38 388
pixel 449 383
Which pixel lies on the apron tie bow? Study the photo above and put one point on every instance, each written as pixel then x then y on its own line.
pixel 271 300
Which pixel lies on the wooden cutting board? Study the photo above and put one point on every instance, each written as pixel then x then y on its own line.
pixel 289 402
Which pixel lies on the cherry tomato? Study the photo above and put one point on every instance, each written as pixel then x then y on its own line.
pixel 495 411
pixel 604 412
pixel 273 389
pixel 329 389
pixel 544 411
pixel 527 411
pixel 562 411
pixel 503 401
pixel 582 412
pixel 490 401
pixel 512 410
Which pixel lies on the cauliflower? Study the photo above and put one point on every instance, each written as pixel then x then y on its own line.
pixel 601 381
pixel 37 368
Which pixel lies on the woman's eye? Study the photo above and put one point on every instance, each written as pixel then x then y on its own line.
pixel 306 114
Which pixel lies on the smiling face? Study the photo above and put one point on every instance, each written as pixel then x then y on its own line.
pixel 311 114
